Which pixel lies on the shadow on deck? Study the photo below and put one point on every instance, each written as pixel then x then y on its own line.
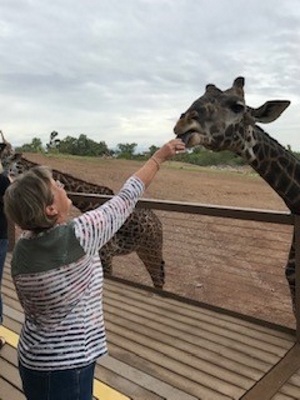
pixel 165 348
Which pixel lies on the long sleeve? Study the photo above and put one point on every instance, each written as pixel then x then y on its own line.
pixel 95 228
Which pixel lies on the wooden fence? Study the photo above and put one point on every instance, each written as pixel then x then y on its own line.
pixel 268 217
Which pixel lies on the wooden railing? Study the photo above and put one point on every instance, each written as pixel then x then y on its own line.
pixel 265 216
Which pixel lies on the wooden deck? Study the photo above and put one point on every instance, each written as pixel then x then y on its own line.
pixel 165 348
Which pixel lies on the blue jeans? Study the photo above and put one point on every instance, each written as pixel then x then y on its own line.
pixel 70 384
pixel 3 251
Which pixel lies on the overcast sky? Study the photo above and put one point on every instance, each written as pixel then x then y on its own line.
pixel 124 71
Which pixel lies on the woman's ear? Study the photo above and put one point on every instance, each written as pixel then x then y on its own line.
pixel 51 210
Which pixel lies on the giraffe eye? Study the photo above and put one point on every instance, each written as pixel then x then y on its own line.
pixel 237 107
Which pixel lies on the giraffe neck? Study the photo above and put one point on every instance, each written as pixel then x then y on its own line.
pixel 71 184
pixel 277 166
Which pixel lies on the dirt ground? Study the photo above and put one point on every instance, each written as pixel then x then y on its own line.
pixel 204 280
pixel 176 181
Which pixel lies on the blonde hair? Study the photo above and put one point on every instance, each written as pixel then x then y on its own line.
pixel 27 197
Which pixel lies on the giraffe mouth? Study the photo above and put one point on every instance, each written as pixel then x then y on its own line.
pixel 185 137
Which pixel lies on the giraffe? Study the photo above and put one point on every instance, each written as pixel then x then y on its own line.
pixel 2 148
pixel 6 153
pixel 220 120
pixel 142 232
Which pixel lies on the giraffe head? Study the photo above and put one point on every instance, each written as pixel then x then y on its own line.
pixel 220 120
pixel 7 154
pixel 14 165
pixel 2 149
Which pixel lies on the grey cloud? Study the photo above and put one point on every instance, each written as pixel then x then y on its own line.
pixel 75 65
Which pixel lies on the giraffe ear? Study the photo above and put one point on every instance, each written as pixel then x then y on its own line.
pixel 269 111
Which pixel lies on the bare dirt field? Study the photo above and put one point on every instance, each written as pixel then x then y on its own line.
pixel 176 181
pixel 243 271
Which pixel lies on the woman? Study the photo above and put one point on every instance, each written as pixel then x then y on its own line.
pixel 59 280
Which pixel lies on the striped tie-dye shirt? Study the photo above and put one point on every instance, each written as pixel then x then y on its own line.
pixel 59 280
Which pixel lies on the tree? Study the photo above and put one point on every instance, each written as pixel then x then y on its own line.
pixel 153 149
pixel 67 145
pixel 83 146
pixel 89 147
pixel 35 146
pixel 126 150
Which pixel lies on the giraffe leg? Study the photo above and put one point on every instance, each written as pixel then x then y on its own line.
pixel 154 264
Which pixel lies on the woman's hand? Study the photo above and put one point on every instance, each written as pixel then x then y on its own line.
pixel 168 150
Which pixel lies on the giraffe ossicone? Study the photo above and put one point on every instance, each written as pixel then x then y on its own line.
pixel 142 232
pixel 221 120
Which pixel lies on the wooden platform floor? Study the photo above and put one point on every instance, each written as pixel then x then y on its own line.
pixel 164 348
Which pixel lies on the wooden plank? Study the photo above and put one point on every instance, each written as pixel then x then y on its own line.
pixel 292 387
pixel 12 324
pixel 252 347
pixel 225 320
pixel 9 392
pixel 11 302
pixel 290 390
pixel 272 382
pixel 175 372
pixel 199 315
pixel 13 314
pixel 130 388
pixel 164 390
pixel 283 397
pixel 212 346
pixel 162 348
pixel 11 338
pixel 113 371
pixel 295 379
pixel 10 373
pixel 105 392
pixel 191 354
